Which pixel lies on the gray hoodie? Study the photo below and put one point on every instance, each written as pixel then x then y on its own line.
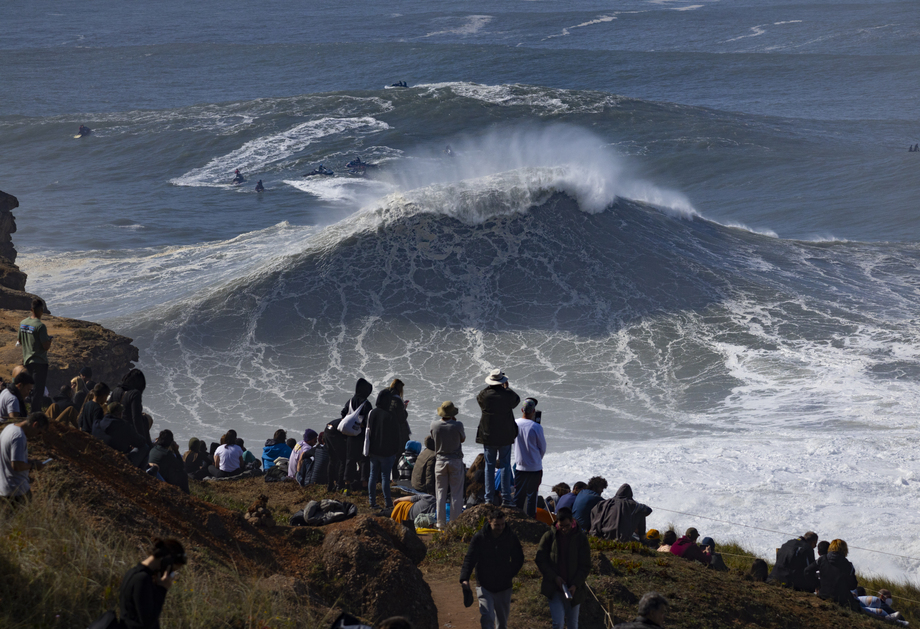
pixel 448 436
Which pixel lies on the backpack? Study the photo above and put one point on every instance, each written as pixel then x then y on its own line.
pixel 350 425
pixel 405 465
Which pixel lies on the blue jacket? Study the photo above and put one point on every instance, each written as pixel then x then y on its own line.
pixel 272 451
pixel 584 503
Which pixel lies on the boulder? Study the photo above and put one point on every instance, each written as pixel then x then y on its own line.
pixel 365 558
pixel 525 527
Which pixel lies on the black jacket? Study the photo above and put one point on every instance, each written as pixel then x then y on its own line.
pixel 399 412
pixel 496 559
pixel 314 467
pixel 791 561
pixel 141 600
pixel 170 467
pixel 384 428
pixel 89 415
pixel 128 394
pixel 577 562
pixel 837 578
pixel 118 434
pixel 497 427
pixel 618 517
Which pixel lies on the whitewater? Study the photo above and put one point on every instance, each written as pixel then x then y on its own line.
pixel 688 229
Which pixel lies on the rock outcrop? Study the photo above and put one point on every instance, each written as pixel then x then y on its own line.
pixel 76 343
pixel 374 561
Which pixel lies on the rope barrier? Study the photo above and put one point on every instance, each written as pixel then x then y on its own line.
pixel 758 528
pixel 609 622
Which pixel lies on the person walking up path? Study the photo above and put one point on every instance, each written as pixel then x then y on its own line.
pixel 497 556
pixel 497 432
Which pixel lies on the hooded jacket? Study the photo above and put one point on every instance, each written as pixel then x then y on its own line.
pixel 118 433
pixel 423 472
pixel 577 561
pixel 272 450
pixel 363 390
pixel 128 394
pixel 837 578
pixel 497 427
pixel 383 434
pixel 170 466
pixel 618 517
pixel 791 561
pixel 496 559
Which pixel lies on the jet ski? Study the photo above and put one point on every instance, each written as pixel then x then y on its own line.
pixel 357 167
pixel 321 171
pixel 399 84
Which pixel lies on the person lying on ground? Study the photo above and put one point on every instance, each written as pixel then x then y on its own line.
pixel 652 609
pixel 836 576
pixel 619 517
pixel 792 559
pixel 880 605
pixel 144 587
pixel 119 434
pixel 15 463
pixel 195 460
pixel 587 499
pixel 169 465
pixel 423 470
pixel 93 408
pixel 687 548
pixel 667 541
pixel 309 440
pixel 568 500
pixel 421 503
pixel 275 448
pixel 12 399
pixel 496 555
pixel 228 458
pixel 564 560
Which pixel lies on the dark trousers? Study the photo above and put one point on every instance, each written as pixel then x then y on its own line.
pixel 356 464
pixel 216 472
pixel 526 490
pixel 336 466
pixel 39 373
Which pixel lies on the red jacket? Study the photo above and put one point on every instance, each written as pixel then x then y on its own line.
pixel 688 549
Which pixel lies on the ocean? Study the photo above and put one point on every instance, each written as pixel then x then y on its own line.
pixel 689 228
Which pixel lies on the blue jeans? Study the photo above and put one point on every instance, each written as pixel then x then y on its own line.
pixel 562 611
pixel 503 454
pixel 381 468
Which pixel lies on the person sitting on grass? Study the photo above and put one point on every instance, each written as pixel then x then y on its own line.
pixel 423 470
pixel 144 587
pixel 716 562
pixel 61 408
pixel 792 559
pixel 686 547
pixel 275 448
pixel 652 609
pixel 309 440
pixel 195 460
pixel 119 434
pixel 558 491
pixel 652 539
pixel 12 398
pixel 564 560
pixel 586 500
pixel 228 458
pixel 836 576
pixel 168 464
pixel 249 459
pixel 93 408
pixel 568 500
pixel 14 456
pixel 667 541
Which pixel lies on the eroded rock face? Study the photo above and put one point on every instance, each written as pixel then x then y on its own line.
pixel 525 527
pixel 366 558
pixel 8 203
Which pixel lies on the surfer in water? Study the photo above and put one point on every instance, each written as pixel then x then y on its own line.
pixel 238 177
pixel 84 130
pixel 259 186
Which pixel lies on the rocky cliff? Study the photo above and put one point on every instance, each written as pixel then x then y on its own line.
pixel 76 343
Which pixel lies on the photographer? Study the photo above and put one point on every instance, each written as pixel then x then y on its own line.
pixel 143 589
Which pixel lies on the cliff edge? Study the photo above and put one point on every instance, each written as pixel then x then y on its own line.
pixel 76 343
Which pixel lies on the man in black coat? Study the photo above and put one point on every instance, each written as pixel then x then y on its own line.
pixel 497 432
pixel 119 434
pixel 792 559
pixel 168 463
pixel 497 556
pixel 652 608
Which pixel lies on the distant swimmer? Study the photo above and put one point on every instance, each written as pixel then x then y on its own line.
pixel 84 130
pixel 238 177
pixel 259 186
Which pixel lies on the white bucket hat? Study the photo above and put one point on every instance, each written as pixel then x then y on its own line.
pixel 496 377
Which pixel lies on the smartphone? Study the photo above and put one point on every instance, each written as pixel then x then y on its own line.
pixel 47 461
pixel 565 590
pixel 538 417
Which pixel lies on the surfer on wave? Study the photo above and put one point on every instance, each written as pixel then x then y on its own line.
pixel 84 130
pixel 238 177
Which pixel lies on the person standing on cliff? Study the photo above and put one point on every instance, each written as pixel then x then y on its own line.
pixel 529 448
pixel 496 554
pixel 448 435
pixel 497 432
pixel 35 341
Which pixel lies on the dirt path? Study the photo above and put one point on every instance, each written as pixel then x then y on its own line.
pixel 448 598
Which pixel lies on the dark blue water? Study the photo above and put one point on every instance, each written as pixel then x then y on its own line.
pixel 689 228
